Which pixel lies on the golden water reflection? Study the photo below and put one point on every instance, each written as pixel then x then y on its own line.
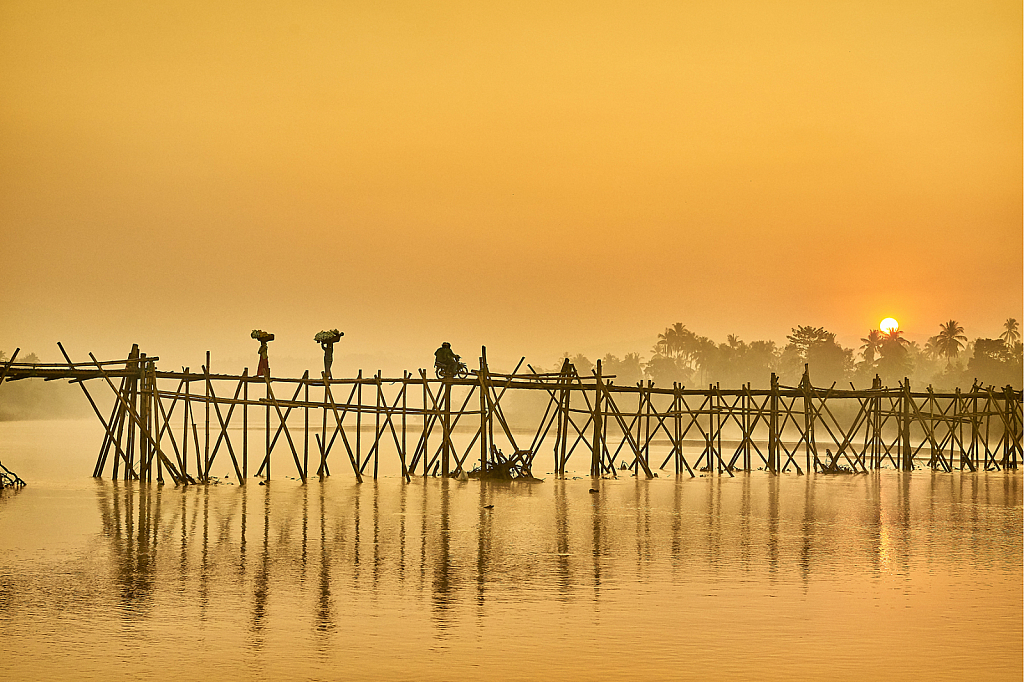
pixel 457 543
pixel 439 579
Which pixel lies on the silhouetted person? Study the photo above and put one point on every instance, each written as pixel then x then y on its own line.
pixel 328 347
pixel 327 339
pixel 264 367
pixel 446 359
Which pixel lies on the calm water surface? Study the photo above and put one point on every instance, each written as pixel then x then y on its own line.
pixel 882 576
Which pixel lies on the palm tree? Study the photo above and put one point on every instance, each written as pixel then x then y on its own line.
pixel 671 341
pixel 872 345
pixel 950 340
pixel 1012 333
pixel 704 353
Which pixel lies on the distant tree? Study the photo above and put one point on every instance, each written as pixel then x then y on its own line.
pixel 950 340
pixel 803 338
pixel 990 357
pixel 31 359
pixel 705 356
pixel 3 356
pixel 584 367
pixel 627 371
pixel 828 361
pixel 1011 335
pixel 895 361
pixel 764 355
pixel 673 340
pixel 664 370
pixel 995 363
pixel 872 345
pixel 931 348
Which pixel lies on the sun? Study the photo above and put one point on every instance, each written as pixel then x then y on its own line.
pixel 889 325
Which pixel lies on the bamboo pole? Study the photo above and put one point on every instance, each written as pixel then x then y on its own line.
pixel 107 426
pixel 773 421
pixel 376 430
pixel 907 453
pixel 446 428
pixel 403 452
pixel 245 423
pixel 570 372
pixel 135 417
pixel 596 445
pixel 184 425
pixel 305 423
pixel 481 377
pixel 206 447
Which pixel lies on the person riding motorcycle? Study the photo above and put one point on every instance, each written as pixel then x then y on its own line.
pixel 445 358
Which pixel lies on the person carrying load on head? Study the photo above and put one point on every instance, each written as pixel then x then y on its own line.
pixel 264 367
pixel 263 370
pixel 446 359
pixel 327 339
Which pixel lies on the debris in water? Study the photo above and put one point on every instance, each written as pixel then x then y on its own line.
pixel 9 479
pixel 515 467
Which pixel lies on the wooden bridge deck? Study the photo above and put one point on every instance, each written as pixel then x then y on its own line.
pixel 415 416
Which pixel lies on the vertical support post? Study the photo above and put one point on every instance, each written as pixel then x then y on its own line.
pixel 713 465
pixel 266 388
pixel 484 449
pixel 245 423
pixel 677 427
pixel 426 420
pixel 876 425
pixel 932 454
pixel 908 458
pixel 376 427
pixel 647 432
pixel 145 470
pixel 745 418
pixel 359 420
pixel 131 408
pixel 446 426
pixel 323 426
pixel 405 416
pixel 564 403
pixel 810 447
pixel 206 450
pixel 184 425
pixel 958 429
pixel 305 423
pixel 597 452
pixel 1013 432
pixel 773 425
pixel 975 426
pixel 719 404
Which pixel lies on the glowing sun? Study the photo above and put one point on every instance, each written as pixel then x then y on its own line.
pixel 889 325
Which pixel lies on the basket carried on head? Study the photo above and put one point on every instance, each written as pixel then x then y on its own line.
pixel 328 336
pixel 261 335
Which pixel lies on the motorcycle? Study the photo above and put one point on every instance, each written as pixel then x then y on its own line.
pixel 459 371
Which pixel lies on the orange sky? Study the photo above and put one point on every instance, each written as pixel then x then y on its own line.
pixel 537 178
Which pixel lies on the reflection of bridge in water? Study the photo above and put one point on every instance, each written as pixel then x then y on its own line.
pixel 308 552
pixel 153 427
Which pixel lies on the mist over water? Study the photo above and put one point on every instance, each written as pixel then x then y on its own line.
pixel 888 575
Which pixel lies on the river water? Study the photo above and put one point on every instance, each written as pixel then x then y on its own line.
pixel 881 576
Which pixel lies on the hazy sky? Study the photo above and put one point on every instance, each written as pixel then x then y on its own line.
pixel 535 176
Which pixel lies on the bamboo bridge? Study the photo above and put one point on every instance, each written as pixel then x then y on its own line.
pixel 175 424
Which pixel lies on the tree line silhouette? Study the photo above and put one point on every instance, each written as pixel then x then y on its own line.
pixel 947 360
